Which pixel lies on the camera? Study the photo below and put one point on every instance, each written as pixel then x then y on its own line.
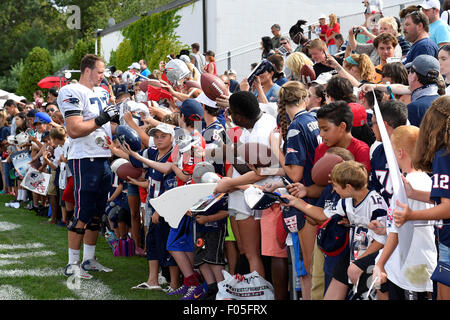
pixel 356 30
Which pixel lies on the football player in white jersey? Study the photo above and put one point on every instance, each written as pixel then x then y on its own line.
pixel 87 117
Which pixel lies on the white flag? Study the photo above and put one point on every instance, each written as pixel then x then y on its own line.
pixel 405 232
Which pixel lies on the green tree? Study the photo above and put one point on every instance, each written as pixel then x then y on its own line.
pixel 124 55
pixel 37 65
pixel 10 81
pixel 82 47
pixel 153 37
pixel 26 24
pixel 61 59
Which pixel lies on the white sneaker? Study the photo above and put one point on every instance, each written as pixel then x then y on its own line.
pixel 94 265
pixel 7 204
pixel 76 270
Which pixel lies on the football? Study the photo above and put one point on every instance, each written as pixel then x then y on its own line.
pixel 322 168
pixel 213 86
pixel 117 163
pixel 307 74
pixel 257 154
pixel 127 170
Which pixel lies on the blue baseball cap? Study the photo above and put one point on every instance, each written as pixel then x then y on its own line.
pixel 332 238
pixel 42 117
pixel 192 109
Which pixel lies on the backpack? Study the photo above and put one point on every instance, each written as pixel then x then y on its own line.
pixel 125 247
pixel 332 238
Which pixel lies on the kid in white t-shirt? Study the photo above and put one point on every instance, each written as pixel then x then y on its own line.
pixel 410 281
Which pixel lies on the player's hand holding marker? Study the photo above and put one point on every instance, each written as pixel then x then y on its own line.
pixel 107 115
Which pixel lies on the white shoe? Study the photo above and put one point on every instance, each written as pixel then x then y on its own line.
pixel 76 270
pixel 94 265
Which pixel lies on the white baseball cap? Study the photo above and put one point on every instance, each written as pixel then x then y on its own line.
pixel 322 16
pixel 428 4
pixel 135 65
pixel 163 127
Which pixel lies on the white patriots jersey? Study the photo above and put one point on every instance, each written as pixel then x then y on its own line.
pixel 78 100
pixel 373 207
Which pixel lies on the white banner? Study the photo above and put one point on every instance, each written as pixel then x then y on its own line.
pixel 405 232
pixel 36 181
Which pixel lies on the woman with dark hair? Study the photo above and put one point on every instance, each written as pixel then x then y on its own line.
pixel 339 88
pixel 21 122
pixel 267 47
pixel 316 97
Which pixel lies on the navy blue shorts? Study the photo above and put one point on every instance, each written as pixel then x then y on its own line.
pixel 92 180
pixel 156 241
pixel 181 238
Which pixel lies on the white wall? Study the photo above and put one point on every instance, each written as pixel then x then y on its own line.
pixel 191 24
pixel 110 42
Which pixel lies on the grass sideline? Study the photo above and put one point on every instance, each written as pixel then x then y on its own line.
pixel 128 271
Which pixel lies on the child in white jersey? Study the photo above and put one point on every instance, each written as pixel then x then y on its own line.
pixel 410 280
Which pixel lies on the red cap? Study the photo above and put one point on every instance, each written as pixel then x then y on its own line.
pixel 359 114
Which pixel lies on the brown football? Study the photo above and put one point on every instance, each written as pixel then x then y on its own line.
pixel 213 86
pixel 127 169
pixel 322 168
pixel 307 74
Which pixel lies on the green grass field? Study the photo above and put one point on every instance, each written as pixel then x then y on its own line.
pixel 33 257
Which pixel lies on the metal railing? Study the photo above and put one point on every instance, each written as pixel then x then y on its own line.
pixel 252 49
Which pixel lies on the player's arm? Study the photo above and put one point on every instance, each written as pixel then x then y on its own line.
pixel 77 128
pixel 202 219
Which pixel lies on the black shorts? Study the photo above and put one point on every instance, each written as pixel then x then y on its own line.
pixel 366 264
pixel 155 243
pixel 212 252
pixel 397 293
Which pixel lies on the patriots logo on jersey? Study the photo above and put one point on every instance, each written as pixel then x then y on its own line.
pixel 74 101
pixel 290 150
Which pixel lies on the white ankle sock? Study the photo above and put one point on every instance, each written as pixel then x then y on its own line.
pixel 74 256
pixel 88 252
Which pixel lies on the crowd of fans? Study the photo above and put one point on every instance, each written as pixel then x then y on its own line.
pixel 401 64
